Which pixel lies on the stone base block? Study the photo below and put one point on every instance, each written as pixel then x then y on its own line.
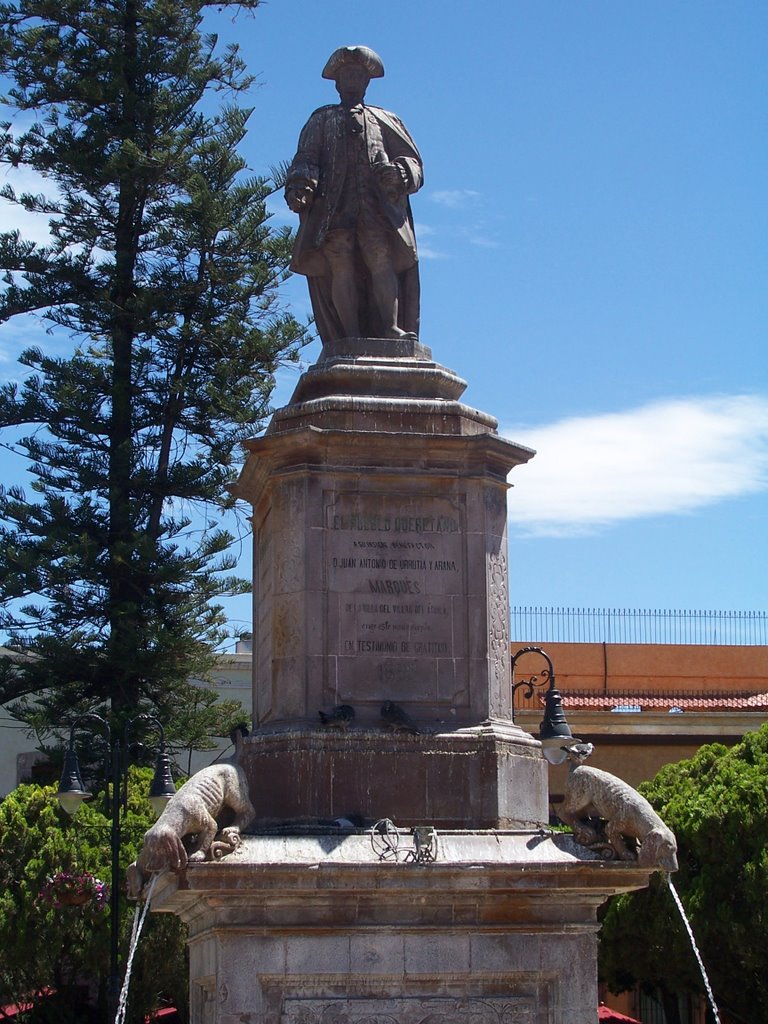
pixel 496 928
pixel 489 777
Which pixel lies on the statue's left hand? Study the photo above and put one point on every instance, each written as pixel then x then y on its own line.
pixel 390 178
pixel 298 198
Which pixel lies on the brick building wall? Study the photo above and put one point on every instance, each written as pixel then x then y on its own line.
pixel 647 705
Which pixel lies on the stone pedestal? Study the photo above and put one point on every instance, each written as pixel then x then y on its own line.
pixel 494 928
pixel 381 574
pixel 489 777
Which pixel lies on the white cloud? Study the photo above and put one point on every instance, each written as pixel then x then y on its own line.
pixel 484 242
pixel 429 252
pixel 665 458
pixel 454 197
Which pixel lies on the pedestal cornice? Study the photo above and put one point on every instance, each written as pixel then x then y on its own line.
pixel 307 446
pixel 275 881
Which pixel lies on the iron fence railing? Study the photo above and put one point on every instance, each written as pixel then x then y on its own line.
pixel 637 626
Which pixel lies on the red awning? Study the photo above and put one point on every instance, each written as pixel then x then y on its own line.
pixel 14 1009
pixel 606 1013
pixel 169 1014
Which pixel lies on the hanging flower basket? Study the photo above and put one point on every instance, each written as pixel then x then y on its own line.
pixel 73 899
pixel 74 889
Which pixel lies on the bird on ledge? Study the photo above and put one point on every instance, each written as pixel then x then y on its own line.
pixel 396 719
pixel 339 717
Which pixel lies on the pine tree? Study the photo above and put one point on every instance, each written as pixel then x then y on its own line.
pixel 163 271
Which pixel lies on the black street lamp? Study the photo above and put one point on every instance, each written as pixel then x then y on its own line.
pixel 554 732
pixel 72 793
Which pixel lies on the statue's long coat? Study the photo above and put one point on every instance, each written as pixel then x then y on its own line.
pixel 320 162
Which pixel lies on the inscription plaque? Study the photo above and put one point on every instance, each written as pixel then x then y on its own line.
pixel 413 1010
pixel 396 587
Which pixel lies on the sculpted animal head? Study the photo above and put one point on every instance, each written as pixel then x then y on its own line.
pixel 578 752
pixel 162 848
pixel 659 850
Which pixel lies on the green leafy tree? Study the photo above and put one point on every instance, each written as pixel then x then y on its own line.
pixel 163 270
pixel 203 717
pixel 717 805
pixel 65 949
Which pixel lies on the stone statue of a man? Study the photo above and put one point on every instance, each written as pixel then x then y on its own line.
pixel 349 182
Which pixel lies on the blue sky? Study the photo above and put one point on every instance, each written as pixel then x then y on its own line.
pixel 593 260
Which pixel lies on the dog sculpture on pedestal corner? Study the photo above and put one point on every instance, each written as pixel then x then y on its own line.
pixel 203 821
pixel 593 793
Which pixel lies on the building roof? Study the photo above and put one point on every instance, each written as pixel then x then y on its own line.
pixel 591 700
pixel 606 1013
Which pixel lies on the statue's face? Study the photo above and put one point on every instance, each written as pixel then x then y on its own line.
pixel 351 82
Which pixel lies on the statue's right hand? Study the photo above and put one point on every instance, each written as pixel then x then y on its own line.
pixel 299 199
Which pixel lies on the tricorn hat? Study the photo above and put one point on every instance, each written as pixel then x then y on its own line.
pixel 362 55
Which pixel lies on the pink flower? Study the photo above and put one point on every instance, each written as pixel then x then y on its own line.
pixel 67 888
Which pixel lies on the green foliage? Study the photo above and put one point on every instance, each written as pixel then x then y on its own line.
pixel 163 271
pixel 717 805
pixel 67 948
pixel 203 717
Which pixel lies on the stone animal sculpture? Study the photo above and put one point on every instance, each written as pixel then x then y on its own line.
pixel 395 719
pixel 202 821
pixel 590 792
pixel 339 717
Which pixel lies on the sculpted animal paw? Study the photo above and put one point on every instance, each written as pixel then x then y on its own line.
pixel 585 835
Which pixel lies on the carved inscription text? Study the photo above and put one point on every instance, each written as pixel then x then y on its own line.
pixel 395 578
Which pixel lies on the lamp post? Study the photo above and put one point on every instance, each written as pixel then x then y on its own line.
pixel 554 731
pixel 72 793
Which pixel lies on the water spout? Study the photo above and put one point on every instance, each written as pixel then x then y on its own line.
pixel 687 923
pixel 138 923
